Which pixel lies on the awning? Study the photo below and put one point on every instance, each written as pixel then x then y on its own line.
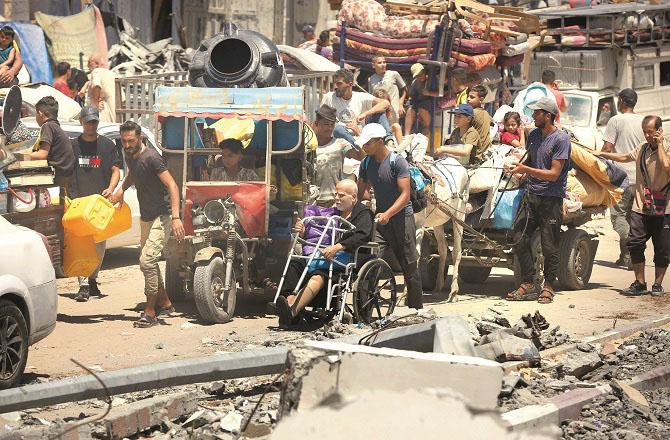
pixel 271 103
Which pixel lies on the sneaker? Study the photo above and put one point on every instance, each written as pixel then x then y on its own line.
pixel 636 289
pixel 657 290
pixel 93 287
pixel 83 294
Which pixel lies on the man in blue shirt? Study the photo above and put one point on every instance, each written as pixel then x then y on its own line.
pixel 388 175
pixel 546 168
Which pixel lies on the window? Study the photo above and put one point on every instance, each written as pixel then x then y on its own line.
pixel 643 77
pixel 578 112
pixel 606 110
pixel 665 73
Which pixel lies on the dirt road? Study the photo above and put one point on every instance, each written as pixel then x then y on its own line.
pixel 100 332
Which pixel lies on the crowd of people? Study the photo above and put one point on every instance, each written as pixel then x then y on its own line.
pixel 366 126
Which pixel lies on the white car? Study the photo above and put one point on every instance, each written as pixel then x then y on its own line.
pixel 130 237
pixel 28 299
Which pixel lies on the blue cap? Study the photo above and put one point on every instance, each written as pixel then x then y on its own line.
pixel 463 109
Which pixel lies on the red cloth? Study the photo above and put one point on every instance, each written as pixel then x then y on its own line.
pixel 62 87
pixel 560 101
pixel 507 137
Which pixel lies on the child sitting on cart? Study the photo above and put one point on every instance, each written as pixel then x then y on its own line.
pixel 294 298
pixel 464 140
pixel 231 159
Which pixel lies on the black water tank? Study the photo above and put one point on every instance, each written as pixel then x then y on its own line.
pixel 237 58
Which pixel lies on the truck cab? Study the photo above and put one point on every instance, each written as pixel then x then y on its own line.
pixel 587 114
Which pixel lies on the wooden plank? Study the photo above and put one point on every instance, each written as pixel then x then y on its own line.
pixel 28 164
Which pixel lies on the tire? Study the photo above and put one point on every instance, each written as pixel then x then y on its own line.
pixel 474 274
pixel 375 291
pixel 576 259
pixel 213 305
pixel 13 344
pixel 174 285
pixel 536 249
pixel 428 268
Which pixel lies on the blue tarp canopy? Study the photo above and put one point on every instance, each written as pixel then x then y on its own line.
pixel 33 50
pixel 271 103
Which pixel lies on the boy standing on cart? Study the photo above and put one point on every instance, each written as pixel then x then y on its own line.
pixel 546 168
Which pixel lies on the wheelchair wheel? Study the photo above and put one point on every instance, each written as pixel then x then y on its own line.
pixel 375 292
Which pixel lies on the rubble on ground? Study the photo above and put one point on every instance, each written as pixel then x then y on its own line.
pixel 496 339
pixel 588 366
pixel 617 416
pixel 132 57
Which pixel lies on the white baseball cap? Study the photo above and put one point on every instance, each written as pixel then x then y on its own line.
pixel 371 131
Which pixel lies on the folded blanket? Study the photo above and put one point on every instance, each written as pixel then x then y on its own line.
pixel 472 46
pixel 381 41
pixel 371 49
pixel 517 40
pixel 477 62
pixel 368 15
pixel 358 55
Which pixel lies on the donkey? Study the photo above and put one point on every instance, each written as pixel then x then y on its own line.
pixel 450 188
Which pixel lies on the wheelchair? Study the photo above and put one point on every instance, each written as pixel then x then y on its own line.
pixel 363 288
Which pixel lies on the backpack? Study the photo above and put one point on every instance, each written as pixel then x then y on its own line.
pixel 417 184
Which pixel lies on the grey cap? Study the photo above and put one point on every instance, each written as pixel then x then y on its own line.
pixel 89 113
pixel 545 103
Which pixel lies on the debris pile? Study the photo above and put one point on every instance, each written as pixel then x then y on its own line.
pixel 623 415
pixel 132 57
pixel 500 341
pixel 587 366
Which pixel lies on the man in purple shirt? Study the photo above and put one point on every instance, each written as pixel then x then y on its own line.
pixel 546 168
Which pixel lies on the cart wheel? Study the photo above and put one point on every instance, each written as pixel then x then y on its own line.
pixel 174 285
pixel 428 268
pixel 213 304
pixel 473 274
pixel 375 292
pixel 536 249
pixel 576 259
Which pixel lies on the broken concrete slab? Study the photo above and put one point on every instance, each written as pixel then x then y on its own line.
pixel 395 415
pixel 633 395
pixel 506 347
pixel 578 363
pixel 322 371
pixel 452 336
pixel 132 418
pixel 415 337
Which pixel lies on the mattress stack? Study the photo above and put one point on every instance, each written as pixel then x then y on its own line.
pixel 406 39
pixel 363 46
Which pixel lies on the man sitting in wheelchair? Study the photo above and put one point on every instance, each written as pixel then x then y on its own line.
pixel 295 295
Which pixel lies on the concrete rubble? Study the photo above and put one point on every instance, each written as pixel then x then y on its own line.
pixel 322 371
pixel 414 373
pixel 382 413
pixel 132 57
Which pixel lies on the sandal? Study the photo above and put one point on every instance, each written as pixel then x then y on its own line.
pixel 165 312
pixel 525 292
pixel 145 321
pixel 546 295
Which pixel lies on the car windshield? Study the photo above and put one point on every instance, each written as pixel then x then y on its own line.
pixel 578 113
